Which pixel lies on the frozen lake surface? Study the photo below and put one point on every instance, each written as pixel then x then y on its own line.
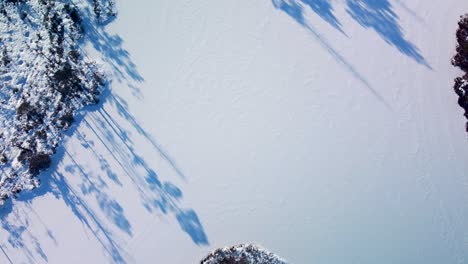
pixel 326 131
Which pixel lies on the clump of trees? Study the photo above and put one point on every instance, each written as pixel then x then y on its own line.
pixel 461 60
pixel 242 254
pixel 47 80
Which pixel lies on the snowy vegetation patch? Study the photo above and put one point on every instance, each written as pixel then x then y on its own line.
pixel 242 254
pixel 45 79
pixel 461 60
pixel 104 11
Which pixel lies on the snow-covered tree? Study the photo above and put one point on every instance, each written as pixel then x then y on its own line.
pixel 46 79
pixel 242 254
pixel 461 60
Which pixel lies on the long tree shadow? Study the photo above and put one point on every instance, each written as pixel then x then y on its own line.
pixel 110 47
pixel 374 14
pixel 156 195
pixel 379 16
pixel 115 129
pixel 111 134
pixel 118 142
pixel 295 10
pixel 410 11
pixel 16 221
pixel 324 9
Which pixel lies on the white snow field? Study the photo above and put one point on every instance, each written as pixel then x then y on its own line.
pixel 325 131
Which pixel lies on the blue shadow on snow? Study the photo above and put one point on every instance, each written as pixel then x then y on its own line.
pixel 295 10
pixel 156 195
pixel 377 15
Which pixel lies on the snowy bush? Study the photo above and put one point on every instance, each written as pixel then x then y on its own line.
pixel 461 60
pixel 104 10
pixel 39 162
pixel 45 81
pixel 242 254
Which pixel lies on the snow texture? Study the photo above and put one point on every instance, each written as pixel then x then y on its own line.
pixel 242 254
pixel 323 130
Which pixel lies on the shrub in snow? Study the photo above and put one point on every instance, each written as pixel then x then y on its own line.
pixel 45 80
pixel 3 159
pixel 104 10
pixel 242 254
pixel 5 58
pixel 39 162
pixel 461 60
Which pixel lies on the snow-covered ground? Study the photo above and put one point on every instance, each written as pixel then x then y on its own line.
pixel 326 131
